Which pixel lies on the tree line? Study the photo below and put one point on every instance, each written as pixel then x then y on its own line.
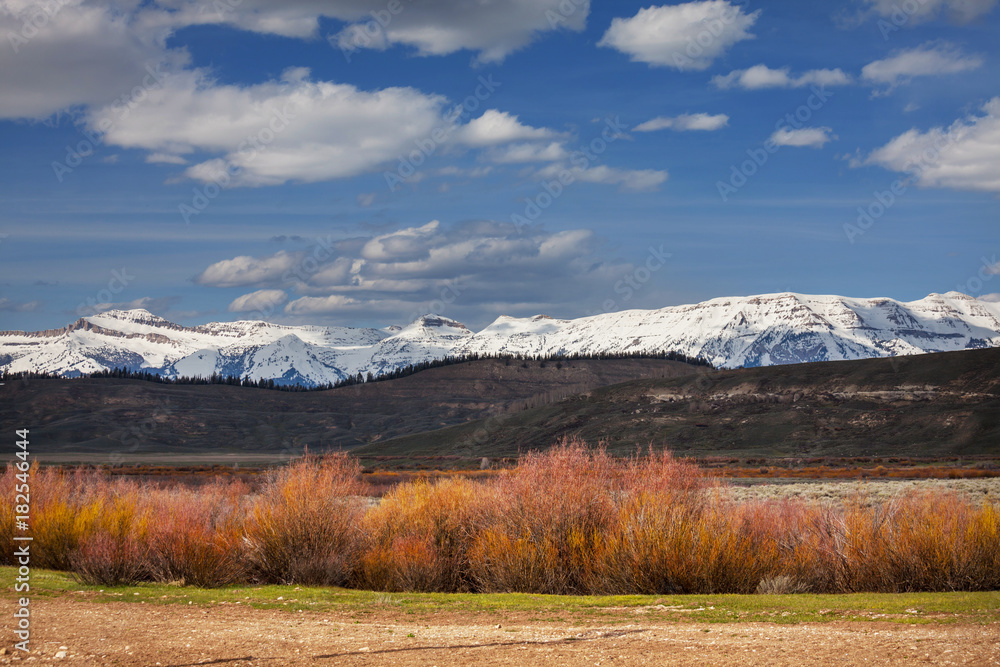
pixel 523 360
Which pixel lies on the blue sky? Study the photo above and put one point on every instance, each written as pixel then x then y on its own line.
pixel 365 161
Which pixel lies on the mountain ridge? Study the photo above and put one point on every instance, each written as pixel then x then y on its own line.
pixel 758 330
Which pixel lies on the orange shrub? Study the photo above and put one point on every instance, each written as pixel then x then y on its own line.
pixel 304 525
pixel 197 538
pixel 419 536
pixel 114 551
pixel 569 520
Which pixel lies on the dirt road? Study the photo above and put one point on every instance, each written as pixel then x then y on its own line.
pixel 89 633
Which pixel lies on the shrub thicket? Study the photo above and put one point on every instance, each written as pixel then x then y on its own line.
pixel 568 520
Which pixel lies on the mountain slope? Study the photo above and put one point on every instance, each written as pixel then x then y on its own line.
pixel 108 419
pixel 944 404
pixel 763 330
pixel 729 332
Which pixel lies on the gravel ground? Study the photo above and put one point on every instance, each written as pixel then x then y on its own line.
pixel 88 633
pixel 834 491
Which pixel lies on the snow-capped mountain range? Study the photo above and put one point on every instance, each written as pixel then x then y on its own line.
pixel 729 332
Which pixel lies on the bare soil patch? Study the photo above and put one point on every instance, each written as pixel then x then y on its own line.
pixel 121 633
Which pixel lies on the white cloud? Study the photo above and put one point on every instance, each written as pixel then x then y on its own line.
pixel 688 36
pixel 762 76
pixel 491 29
pixel 684 122
pixel 273 132
pixel 991 298
pixel 78 53
pixel 165 158
pixel 537 152
pixel 930 59
pixel 497 127
pixel 244 271
pixel 959 11
pixel 965 156
pixel 265 300
pixel 313 305
pixel 65 53
pixel 487 263
pixel 296 129
pixel 806 137
pixel 110 57
pixel 628 180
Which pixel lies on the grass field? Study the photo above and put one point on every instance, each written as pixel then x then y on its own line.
pixel 908 608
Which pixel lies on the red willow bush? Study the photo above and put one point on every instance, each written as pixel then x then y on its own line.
pixel 568 520
pixel 303 527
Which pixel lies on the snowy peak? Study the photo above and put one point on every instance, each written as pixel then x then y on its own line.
pixel 437 323
pixel 134 316
pixel 758 330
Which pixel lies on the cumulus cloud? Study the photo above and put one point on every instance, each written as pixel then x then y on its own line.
pixel 762 76
pixel 959 11
pixel 963 156
pixel 806 137
pixel 688 36
pixel 110 58
pixel 537 152
pixel 71 52
pixel 487 263
pixel 273 132
pixel 165 158
pixel 931 59
pixel 497 127
pixel 262 300
pixel 246 271
pixel 685 122
pixel 296 129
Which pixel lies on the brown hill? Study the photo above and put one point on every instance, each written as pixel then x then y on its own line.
pixel 128 420
pixel 945 404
